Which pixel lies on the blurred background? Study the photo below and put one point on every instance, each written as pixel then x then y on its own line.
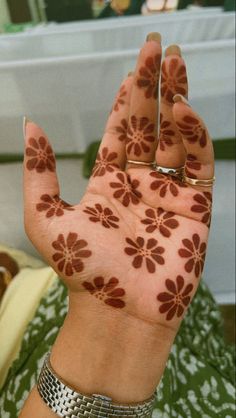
pixel 61 62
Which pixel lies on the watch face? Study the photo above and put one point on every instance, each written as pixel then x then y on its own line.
pixel 120 4
pixel 161 5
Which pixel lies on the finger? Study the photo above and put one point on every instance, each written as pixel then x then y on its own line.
pixel 111 154
pixel 142 130
pixel 41 188
pixel 196 139
pixel 170 151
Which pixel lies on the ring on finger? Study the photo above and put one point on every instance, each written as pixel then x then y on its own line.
pixel 176 172
pixel 145 163
pixel 198 182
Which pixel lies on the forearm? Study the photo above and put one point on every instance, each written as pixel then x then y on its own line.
pixel 106 352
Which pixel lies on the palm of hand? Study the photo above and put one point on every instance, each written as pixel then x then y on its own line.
pixel 137 240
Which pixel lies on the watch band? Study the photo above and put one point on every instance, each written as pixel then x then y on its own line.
pixel 67 403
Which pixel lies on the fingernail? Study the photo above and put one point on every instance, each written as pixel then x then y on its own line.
pixel 154 36
pixel 130 73
pixel 179 98
pixel 173 50
pixel 25 121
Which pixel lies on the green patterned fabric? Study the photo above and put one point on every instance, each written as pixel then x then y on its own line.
pixel 198 381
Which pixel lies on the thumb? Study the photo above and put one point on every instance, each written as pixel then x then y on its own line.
pixel 40 178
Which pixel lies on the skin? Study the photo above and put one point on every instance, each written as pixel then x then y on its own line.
pixel 137 241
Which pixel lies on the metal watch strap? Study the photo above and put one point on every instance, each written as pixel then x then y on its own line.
pixel 68 403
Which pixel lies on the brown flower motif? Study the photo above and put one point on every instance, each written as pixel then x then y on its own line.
pixel 192 164
pixel 53 205
pixel 104 216
pixel 105 162
pixel 107 292
pixel 176 299
pixel 148 76
pixel 69 253
pixel 122 130
pixel 161 220
pixel 203 205
pixel 174 80
pixel 148 252
pixel 166 133
pixel 41 153
pixel 196 252
pixel 139 135
pixel 120 98
pixel 192 130
pixel 166 184
pixel 126 189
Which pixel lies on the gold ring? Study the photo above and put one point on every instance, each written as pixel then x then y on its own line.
pixel 176 172
pixel 198 182
pixel 142 163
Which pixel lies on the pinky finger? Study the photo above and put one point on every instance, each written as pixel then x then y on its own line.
pixel 199 162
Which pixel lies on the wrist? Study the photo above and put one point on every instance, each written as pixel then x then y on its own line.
pixel 105 351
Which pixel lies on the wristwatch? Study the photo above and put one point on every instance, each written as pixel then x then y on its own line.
pixel 67 403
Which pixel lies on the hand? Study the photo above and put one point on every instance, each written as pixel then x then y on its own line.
pixel 134 247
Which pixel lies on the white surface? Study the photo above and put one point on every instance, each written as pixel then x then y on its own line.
pixel 128 35
pixel 219 270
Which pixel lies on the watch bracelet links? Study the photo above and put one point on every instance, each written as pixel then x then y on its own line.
pixel 68 403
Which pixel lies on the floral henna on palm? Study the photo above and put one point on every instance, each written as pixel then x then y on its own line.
pixel 108 292
pixel 192 130
pixel 195 251
pixel 140 134
pixel 173 80
pixel 103 215
pixel 176 299
pixel 203 205
pixel 192 163
pixel 120 100
pixel 166 133
pixel 149 253
pixel 158 219
pixel 122 130
pixel 53 206
pixel 69 253
pixel 41 155
pixel 166 184
pixel 148 77
pixel 105 162
pixel 127 189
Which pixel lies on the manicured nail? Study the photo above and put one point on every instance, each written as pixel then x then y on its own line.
pixel 130 73
pixel 173 50
pixel 25 121
pixel 179 98
pixel 154 36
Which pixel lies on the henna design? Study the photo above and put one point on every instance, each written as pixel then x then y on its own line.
pixel 104 216
pixel 41 153
pixel 173 81
pixel 69 253
pixel 196 252
pixel 192 164
pixel 104 162
pixel 139 135
pixel 161 220
pixel 203 205
pixel 53 205
pixel 107 292
pixel 148 77
pixel 166 133
pixel 126 189
pixel 176 299
pixel 122 130
pixel 120 98
pixel 192 130
pixel 148 252
pixel 166 184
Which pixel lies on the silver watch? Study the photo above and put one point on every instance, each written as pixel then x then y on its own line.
pixel 67 403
